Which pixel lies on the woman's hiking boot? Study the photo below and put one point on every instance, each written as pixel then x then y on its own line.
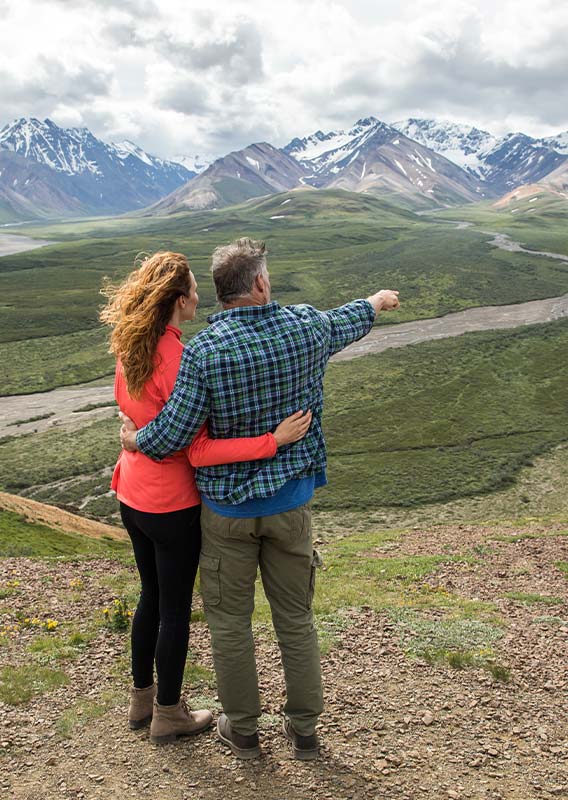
pixel 242 746
pixel 141 707
pixel 305 748
pixel 169 722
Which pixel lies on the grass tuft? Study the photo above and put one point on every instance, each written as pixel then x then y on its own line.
pixel 460 643
pixel 530 599
pixel 562 566
pixel 549 620
pixel 420 635
pixel 19 537
pixel 86 710
pixel 499 672
pixel 32 419
pixel 19 684
pixel 57 648
pixel 195 675
pixel 93 406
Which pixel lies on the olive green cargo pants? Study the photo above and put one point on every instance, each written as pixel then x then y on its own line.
pixel 231 552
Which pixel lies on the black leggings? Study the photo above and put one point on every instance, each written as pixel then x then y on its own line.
pixel 166 549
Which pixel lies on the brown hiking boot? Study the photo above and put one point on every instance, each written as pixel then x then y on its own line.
pixel 169 722
pixel 305 748
pixel 241 746
pixel 141 706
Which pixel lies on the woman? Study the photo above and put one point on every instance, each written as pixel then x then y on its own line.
pixel 159 501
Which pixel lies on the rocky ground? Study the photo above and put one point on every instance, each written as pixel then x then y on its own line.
pixel 395 725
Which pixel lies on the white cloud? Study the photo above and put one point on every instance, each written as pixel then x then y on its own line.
pixel 52 84
pixel 232 56
pixel 178 77
pixel 139 8
pixel 177 90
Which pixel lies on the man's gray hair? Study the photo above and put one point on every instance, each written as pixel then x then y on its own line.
pixel 235 266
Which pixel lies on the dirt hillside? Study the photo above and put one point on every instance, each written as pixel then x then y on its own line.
pixel 55 517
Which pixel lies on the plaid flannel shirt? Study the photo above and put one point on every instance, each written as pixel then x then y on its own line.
pixel 246 372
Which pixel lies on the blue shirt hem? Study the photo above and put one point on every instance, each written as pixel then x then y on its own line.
pixel 294 493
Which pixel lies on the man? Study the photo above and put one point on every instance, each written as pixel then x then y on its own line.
pixel 254 365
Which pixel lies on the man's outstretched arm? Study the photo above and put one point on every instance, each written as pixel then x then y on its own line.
pixel 179 420
pixel 354 320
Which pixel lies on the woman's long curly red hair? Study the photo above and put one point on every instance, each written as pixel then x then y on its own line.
pixel 139 310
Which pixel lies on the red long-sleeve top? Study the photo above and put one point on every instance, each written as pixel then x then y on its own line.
pixel 169 485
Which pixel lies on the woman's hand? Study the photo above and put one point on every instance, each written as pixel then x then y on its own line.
pixel 293 428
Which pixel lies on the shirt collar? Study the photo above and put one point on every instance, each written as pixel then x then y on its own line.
pixel 246 312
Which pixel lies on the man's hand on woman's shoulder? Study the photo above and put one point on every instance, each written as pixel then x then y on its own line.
pixel 385 300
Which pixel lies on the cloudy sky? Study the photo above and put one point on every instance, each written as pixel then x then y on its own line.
pixel 178 77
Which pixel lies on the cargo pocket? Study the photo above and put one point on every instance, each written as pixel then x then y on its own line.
pixel 209 578
pixel 317 561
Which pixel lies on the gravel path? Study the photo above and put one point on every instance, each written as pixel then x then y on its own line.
pixel 473 319
pixel 11 243
pixel 61 405
pixel 504 242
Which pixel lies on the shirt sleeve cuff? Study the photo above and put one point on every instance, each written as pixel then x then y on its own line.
pixel 141 443
pixel 370 310
pixel 273 443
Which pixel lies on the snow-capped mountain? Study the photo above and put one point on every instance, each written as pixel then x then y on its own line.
pixel 325 154
pixel 374 157
pixel 75 151
pixel 502 163
pixel 128 150
pixel 518 159
pixel 319 147
pixel 257 170
pixel 558 142
pixel 97 177
pixel 71 151
pixel 194 163
pixel 462 144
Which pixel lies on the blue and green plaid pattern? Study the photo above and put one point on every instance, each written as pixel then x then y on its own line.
pixel 252 367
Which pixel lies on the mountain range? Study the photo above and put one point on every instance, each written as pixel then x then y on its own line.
pixel 46 170
pixel 51 171
pixel 417 163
